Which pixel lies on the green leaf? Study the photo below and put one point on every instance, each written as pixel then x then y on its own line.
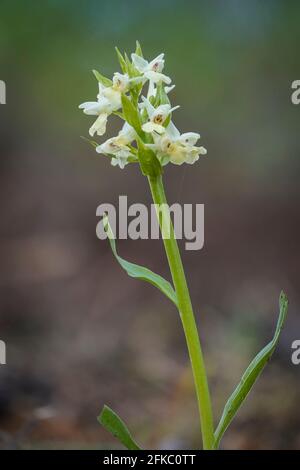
pixel 138 49
pixel 128 67
pixel 168 120
pixel 131 114
pixel 105 81
pixel 251 374
pixel 131 70
pixel 119 114
pixel 150 165
pixel 162 98
pixel 113 423
pixel 161 95
pixel 93 143
pixel 139 272
pixel 122 61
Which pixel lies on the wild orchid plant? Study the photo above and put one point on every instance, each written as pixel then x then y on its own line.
pixel 149 137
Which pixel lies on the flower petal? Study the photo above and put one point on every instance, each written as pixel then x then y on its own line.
pixel 191 159
pixel 99 125
pixel 90 107
pixel 178 157
pixel 149 107
pixel 101 88
pixel 157 64
pixel 120 82
pixel 112 98
pixel 126 135
pixel 172 131
pixel 157 77
pixel 169 88
pixel 202 151
pixel 151 89
pixel 153 127
pixel 189 138
pixel 139 63
pixel 163 109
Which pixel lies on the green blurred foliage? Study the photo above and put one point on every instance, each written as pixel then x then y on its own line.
pixel 232 62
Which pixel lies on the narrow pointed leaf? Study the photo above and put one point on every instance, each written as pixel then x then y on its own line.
pixel 131 114
pixel 150 165
pixel 119 114
pixel 161 95
pixel 251 374
pixel 113 424
pixel 139 272
pixel 122 61
pixel 138 49
pixel 162 98
pixel 131 70
pixel 103 80
pixel 93 143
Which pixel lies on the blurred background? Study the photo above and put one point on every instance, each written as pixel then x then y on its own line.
pixel 79 332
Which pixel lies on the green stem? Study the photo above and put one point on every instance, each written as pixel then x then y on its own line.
pixel 186 311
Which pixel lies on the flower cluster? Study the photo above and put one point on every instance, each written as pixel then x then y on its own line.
pixel 148 132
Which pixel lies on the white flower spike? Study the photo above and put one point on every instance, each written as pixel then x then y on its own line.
pixel 147 121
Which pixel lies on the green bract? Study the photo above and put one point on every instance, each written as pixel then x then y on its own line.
pixel 101 79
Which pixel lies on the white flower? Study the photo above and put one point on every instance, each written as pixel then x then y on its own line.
pixel 151 70
pixel 99 125
pixel 121 82
pixel 157 116
pixel 126 135
pixel 118 146
pixel 177 148
pixel 108 101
